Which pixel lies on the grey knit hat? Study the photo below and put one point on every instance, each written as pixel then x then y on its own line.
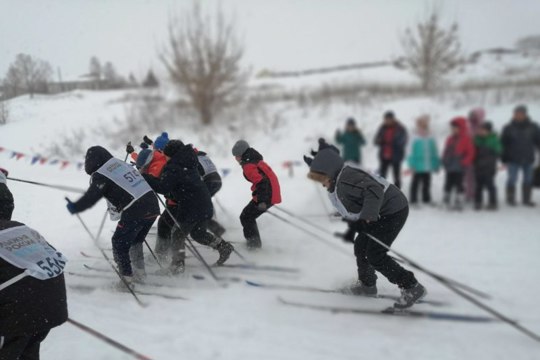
pixel 327 162
pixel 240 148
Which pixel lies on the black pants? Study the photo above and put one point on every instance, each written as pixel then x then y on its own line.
pixel 421 180
pixel 21 347
pixel 371 257
pixel 213 225
pixel 248 218
pixel 485 182
pixel 198 232
pixel 165 227
pixel 454 180
pixel 127 234
pixel 396 170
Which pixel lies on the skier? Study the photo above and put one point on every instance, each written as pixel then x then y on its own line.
pixel 32 289
pixel 211 178
pixel 265 190
pixel 130 200
pixel 391 140
pixel 520 140
pixel 375 207
pixel 182 181
pixel 352 140
pixel 488 149
pixel 458 154
pixel 7 205
pixel 423 160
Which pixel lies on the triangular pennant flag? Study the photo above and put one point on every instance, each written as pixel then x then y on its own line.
pixel 53 162
pixel 19 156
pixel 65 164
pixel 225 172
pixel 2 149
pixel 13 154
pixel 35 159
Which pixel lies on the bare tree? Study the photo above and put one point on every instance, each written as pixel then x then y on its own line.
pixel 529 44
pixel 431 51
pixel 27 75
pixel 203 57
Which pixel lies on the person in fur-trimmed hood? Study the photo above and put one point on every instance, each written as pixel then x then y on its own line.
pixel 372 206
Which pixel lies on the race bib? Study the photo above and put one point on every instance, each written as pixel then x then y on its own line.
pixel 125 176
pixel 208 166
pixel 26 249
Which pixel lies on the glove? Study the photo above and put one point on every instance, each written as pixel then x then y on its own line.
pixel 70 207
pixel 129 148
pixel 147 140
pixel 144 145
pixel 262 206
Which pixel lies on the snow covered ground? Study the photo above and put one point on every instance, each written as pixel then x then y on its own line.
pixel 495 252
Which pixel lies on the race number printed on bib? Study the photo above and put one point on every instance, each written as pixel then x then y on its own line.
pixel 125 176
pixel 26 249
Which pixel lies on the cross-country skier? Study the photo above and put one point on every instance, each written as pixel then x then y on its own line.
pixel 373 206
pixel 131 197
pixel 6 198
pixel 182 181
pixel 32 289
pixel 265 190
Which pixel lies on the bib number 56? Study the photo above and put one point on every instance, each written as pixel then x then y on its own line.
pixel 51 266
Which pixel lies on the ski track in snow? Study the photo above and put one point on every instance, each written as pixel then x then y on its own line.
pixel 495 252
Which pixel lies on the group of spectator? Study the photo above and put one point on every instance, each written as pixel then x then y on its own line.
pixel 470 156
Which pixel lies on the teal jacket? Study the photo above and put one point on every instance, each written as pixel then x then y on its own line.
pixel 351 142
pixel 424 156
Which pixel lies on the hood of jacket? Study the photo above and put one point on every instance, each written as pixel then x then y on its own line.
pixel 461 123
pixel 251 156
pixel 185 157
pixel 95 157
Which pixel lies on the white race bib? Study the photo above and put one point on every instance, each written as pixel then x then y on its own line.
pixel 26 249
pixel 208 166
pixel 127 177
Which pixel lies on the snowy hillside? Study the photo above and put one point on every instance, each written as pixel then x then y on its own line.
pixel 496 252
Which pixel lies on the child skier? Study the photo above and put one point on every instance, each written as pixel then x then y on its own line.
pixel 265 190
pixel 182 181
pixel 458 154
pixel 32 289
pixel 372 206
pixel 488 149
pixel 131 197
pixel 6 198
pixel 352 141
pixel 423 160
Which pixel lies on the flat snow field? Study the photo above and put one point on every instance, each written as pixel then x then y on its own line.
pixel 495 252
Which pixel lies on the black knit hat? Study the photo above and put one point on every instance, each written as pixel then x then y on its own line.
pixel 521 109
pixel 172 147
pixel 487 125
pixel 389 115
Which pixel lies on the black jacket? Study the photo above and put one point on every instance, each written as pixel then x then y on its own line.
pixel 398 143
pixel 101 186
pixel 181 182
pixel 30 305
pixel 6 199
pixel 262 190
pixel 520 141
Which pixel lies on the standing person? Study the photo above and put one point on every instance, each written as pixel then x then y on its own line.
pixel 391 140
pixel 211 178
pixel 458 154
pixel 475 120
pixel 7 205
pixel 488 149
pixel 265 190
pixel 423 160
pixel 520 139
pixel 181 180
pixel 375 207
pixel 352 141
pixel 130 199
pixel 32 289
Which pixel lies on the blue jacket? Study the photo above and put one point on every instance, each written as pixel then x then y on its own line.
pixel 424 156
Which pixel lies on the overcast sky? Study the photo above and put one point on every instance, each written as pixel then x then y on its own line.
pixel 279 34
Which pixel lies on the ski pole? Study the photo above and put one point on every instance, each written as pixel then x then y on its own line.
pixel 108 340
pixel 189 245
pixel 122 278
pixel 464 295
pixel 465 287
pixel 58 187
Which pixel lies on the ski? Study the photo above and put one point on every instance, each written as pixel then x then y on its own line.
pixel 260 267
pixel 431 315
pixel 332 291
pixel 137 291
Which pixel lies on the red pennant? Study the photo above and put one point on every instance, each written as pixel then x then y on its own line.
pixel 43 161
pixel 64 165
pixel 19 156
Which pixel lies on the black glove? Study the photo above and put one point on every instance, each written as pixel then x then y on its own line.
pixel 129 148
pixel 262 206
pixel 147 140
pixel 144 145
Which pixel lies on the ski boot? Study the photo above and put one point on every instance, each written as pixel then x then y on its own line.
pixel 511 195
pixel 410 296
pixel 225 249
pixel 125 284
pixel 254 243
pixel 139 275
pixel 177 267
pixel 362 290
pixel 527 195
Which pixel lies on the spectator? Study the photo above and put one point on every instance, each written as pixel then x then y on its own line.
pixel 520 138
pixel 476 119
pixel 423 160
pixel 391 140
pixel 488 149
pixel 352 141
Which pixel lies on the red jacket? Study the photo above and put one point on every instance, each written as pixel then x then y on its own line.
pixel 265 188
pixel 461 145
